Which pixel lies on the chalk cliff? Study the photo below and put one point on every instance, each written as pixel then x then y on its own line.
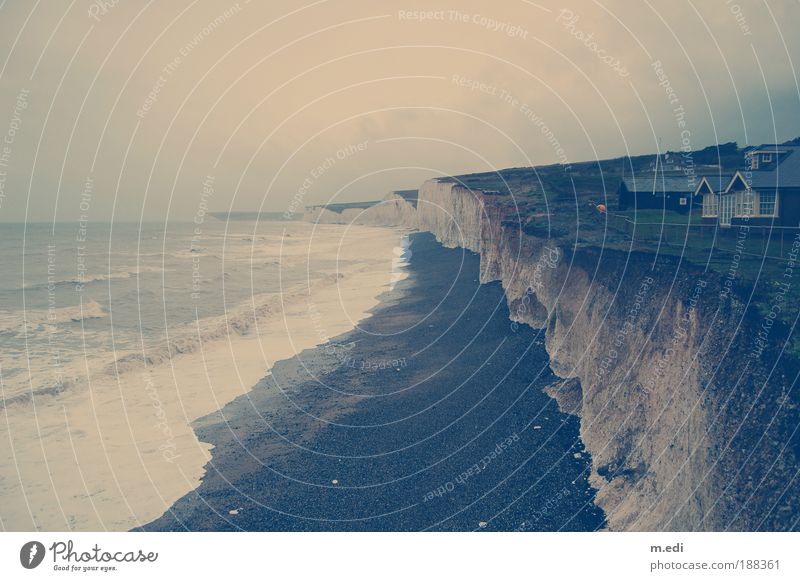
pixel 394 209
pixel 690 425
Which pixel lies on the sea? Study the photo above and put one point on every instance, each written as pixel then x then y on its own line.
pixel 109 292
pixel 114 337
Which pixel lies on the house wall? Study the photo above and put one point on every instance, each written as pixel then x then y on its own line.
pixel 628 200
pixel 789 207
pixel 788 210
pixel 624 198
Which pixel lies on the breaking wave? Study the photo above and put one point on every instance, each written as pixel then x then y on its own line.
pixel 90 278
pixel 34 318
pixel 240 320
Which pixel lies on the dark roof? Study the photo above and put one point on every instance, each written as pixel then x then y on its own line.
pixel 786 174
pixel 659 184
pixel 718 181
pixel 769 147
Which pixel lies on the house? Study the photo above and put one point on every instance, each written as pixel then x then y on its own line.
pixel 765 193
pixel 707 191
pixel 658 190
pixel 667 161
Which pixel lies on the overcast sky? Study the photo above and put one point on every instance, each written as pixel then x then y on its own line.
pixel 154 108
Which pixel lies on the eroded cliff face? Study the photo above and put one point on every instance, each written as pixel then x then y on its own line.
pixel 689 425
pixel 392 210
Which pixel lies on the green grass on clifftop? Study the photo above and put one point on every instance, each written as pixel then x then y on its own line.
pixel 559 203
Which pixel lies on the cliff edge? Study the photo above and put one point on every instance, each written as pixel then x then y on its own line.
pixel 686 404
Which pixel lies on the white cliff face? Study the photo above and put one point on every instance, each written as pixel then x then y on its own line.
pixel 683 427
pixel 453 213
pixel 667 389
pixel 642 413
pixel 392 210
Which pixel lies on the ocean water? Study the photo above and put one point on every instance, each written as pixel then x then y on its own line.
pixel 114 338
pixel 115 291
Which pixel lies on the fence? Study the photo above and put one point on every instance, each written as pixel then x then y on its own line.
pixel 771 242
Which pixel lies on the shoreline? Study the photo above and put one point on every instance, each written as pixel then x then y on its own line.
pixel 123 449
pixel 321 444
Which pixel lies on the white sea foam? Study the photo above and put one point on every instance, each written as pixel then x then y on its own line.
pixel 99 277
pixel 108 443
pixel 33 318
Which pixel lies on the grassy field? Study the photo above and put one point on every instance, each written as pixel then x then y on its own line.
pixel 560 203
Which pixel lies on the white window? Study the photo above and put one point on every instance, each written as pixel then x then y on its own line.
pixel 748 203
pixel 753 162
pixel 767 203
pixel 726 209
pixel 766 158
pixel 710 205
pixel 744 203
pixel 682 201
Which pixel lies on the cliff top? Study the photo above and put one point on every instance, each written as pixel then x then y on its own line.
pixel 559 202
pixel 339 208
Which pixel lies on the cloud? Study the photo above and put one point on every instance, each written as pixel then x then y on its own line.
pixel 148 100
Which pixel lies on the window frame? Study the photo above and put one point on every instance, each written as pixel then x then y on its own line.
pixel 773 202
pixel 743 204
pixel 710 205
pixel 727 206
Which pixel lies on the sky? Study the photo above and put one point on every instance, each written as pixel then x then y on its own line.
pixel 134 110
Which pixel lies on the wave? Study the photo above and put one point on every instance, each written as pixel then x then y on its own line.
pixel 30 395
pixel 90 278
pixel 240 320
pixel 34 318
